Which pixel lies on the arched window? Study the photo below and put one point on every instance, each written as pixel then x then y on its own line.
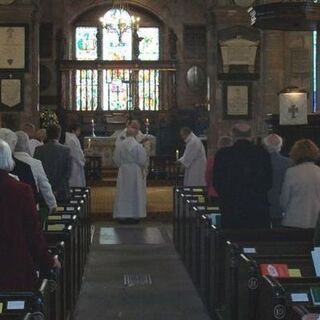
pixel 117 88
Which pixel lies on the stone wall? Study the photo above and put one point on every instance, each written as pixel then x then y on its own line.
pixel 276 66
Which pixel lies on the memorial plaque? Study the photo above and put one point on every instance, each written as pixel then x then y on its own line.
pixel 300 61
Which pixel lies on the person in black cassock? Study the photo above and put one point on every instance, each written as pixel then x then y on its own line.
pixel 242 176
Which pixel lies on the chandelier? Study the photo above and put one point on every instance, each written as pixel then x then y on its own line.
pixel 119 21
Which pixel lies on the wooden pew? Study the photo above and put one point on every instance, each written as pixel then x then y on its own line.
pixel 275 298
pixel 250 277
pixel 16 305
pixel 218 237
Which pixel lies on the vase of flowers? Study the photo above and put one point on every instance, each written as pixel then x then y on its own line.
pixel 48 117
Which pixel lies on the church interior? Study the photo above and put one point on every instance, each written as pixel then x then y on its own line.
pixel 173 152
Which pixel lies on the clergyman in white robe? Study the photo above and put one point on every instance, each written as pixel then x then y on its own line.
pixel 77 178
pixel 194 161
pixel 131 159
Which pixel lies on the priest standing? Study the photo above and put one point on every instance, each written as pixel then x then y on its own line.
pixel 131 159
pixel 77 178
pixel 193 160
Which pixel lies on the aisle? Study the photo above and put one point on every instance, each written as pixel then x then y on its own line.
pixel 134 273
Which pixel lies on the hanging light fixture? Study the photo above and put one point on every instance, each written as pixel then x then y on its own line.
pixel 115 20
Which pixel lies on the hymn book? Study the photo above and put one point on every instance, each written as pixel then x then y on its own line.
pixel 315 295
pixel 275 270
pixel 316 260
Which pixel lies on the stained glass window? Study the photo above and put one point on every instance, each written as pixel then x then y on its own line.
pixel 149 46
pixel 121 89
pixel 86 43
pixel 117 89
pixel 117 37
pixel 87 90
pixel 314 73
pixel 149 89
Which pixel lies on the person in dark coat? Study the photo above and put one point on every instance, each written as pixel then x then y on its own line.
pixel 56 160
pixel 273 143
pixel 242 176
pixel 21 170
pixel 22 245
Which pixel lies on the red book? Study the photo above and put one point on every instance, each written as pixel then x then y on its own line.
pixel 275 270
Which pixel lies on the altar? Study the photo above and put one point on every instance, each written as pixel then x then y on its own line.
pixel 105 146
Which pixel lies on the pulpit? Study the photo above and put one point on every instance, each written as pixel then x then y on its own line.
pixel 104 147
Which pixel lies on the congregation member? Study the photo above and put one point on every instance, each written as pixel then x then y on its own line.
pixel 56 160
pixel 131 159
pixel 242 176
pixel 77 178
pixel 21 170
pixel 300 196
pixel 43 186
pixel 22 247
pixel 30 130
pixel 41 136
pixel 224 141
pixel 273 143
pixel 193 160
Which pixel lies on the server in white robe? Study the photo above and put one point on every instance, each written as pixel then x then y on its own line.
pixel 193 160
pixel 131 159
pixel 77 178
pixel 140 137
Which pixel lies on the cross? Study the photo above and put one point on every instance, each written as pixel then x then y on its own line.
pixel 293 110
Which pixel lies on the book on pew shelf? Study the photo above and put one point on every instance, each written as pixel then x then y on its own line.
pixel 215 218
pixel 54 217
pixel 315 295
pixel 213 208
pixel 311 316
pixel 1 307
pixel 316 260
pixel 249 250
pixel 300 297
pixel 56 227
pixel 275 270
pixel 295 273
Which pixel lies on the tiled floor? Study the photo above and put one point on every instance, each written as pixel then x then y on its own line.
pixel 134 273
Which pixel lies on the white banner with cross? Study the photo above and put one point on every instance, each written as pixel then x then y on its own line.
pixel 293 108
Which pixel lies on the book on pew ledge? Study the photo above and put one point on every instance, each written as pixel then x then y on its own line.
pixel 295 273
pixel 316 260
pixel 315 295
pixel 275 270
pixel 311 316
pixel 56 227
pixel 215 218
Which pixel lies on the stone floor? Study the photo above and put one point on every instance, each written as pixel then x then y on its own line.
pixel 134 273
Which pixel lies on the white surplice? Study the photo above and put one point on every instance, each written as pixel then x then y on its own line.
pixel 194 161
pixel 77 178
pixel 131 159
pixel 122 135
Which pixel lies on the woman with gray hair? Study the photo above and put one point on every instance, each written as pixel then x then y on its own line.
pixel 273 143
pixel 22 246
pixel 22 153
pixel 223 142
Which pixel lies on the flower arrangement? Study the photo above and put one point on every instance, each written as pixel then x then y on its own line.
pixel 48 117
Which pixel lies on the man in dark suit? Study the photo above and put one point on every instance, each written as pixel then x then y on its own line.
pixel 56 161
pixel 242 176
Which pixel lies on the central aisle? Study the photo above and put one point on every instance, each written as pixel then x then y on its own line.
pixel 134 273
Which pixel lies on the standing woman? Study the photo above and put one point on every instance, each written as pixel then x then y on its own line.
pixel 300 196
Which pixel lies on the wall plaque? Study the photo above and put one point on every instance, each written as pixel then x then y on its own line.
pixel 300 61
pixel 11 93
pixel 13 47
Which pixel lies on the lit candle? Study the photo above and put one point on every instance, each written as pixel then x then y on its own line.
pixel 147 121
pixel 92 121
pixel 89 144
pixel 177 154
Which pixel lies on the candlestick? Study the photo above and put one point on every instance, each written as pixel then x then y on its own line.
pixel 177 155
pixel 93 128
pixel 147 126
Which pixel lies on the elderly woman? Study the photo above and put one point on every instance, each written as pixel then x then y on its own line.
pixel 224 141
pixel 300 197
pixel 22 153
pixel 22 245
pixel 273 143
